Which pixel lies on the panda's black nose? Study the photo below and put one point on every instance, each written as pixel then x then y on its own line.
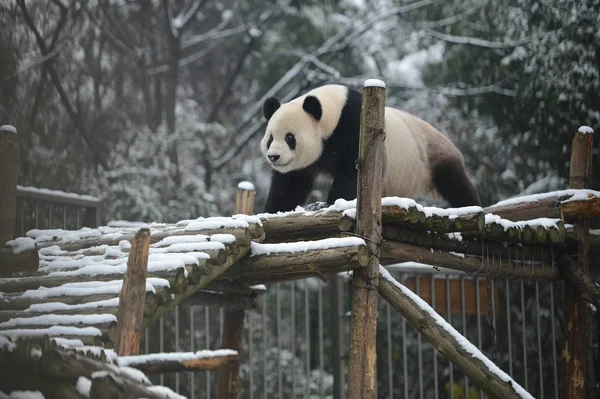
pixel 273 158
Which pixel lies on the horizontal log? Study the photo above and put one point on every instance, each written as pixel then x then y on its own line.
pixel 580 209
pixel 301 226
pixel 448 341
pixel 18 302
pixel 176 278
pixel 497 267
pixel 168 363
pixel 6 315
pixel 38 322
pixel 279 264
pixel 473 246
pixel 549 205
pixel 242 235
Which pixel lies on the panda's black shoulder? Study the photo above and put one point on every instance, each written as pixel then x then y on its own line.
pixel 349 122
pixel 340 149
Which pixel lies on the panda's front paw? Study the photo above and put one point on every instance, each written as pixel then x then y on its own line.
pixel 315 206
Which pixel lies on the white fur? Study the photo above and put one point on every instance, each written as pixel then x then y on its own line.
pixel 412 146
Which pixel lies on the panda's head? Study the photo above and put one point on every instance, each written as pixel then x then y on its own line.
pixel 294 136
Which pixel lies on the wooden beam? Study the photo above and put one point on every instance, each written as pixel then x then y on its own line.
pixel 365 281
pixel 577 316
pixel 9 175
pixel 132 297
pixel 436 331
pixel 394 252
pixel 233 318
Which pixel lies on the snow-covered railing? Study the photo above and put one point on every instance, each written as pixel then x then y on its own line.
pixel 50 209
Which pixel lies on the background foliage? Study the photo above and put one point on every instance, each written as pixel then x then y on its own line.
pixel 154 106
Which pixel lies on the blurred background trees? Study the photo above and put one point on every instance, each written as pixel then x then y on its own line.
pixel 155 106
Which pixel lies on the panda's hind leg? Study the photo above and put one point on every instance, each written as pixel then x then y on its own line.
pixel 451 182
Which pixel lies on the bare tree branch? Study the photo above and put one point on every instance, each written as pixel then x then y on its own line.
pixel 128 47
pixel 54 49
pixel 214 32
pixel 358 81
pixel 227 89
pixel 472 41
pixel 174 31
pixel 59 87
pixel 182 21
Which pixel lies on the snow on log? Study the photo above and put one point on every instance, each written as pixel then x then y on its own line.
pixel 158 363
pixel 404 212
pixel 543 205
pixel 538 231
pixel 448 341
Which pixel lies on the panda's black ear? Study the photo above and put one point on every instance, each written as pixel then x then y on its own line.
pixel 270 106
pixel 312 105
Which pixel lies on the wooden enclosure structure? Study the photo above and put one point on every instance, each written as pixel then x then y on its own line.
pixel 76 302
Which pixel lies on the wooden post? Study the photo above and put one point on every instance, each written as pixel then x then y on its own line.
pixel 132 296
pixel 365 281
pixel 9 175
pixel 233 318
pixel 577 317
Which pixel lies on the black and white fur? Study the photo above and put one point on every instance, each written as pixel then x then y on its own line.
pixel 319 131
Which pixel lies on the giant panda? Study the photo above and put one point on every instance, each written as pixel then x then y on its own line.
pixel 319 132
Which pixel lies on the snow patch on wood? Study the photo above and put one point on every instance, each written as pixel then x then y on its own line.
pixel 8 128
pixel 304 246
pixel 133 361
pixel 374 83
pixel 245 185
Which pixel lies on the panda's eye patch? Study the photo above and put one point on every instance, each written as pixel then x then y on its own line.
pixel 290 140
pixel 270 141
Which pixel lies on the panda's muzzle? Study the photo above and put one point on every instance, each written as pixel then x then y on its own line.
pixel 273 158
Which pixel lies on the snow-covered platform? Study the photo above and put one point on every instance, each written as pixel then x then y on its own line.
pixel 62 287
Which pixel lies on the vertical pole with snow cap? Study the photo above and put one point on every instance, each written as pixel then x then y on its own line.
pixel 365 281
pixel 577 313
pixel 9 175
pixel 233 318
